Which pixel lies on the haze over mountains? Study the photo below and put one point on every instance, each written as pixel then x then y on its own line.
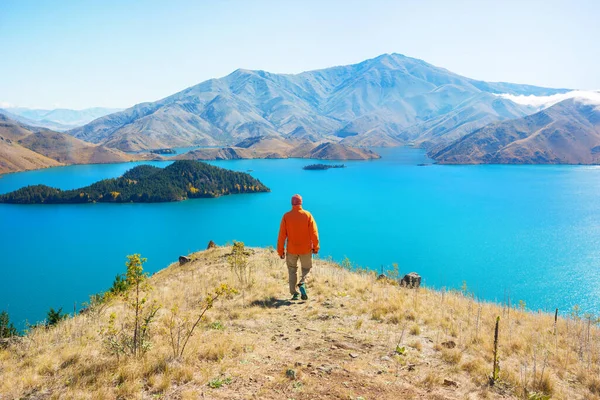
pixel 60 119
pixel 388 100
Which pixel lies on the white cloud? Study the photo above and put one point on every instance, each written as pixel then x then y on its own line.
pixel 6 104
pixel 542 102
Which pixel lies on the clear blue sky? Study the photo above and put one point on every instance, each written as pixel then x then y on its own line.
pixel 79 54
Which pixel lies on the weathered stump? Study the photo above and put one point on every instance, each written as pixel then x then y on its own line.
pixel 211 245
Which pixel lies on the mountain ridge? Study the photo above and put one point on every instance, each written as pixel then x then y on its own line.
pixel 565 133
pixel 386 94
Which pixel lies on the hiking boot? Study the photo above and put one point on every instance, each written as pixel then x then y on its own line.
pixel 303 296
pixel 295 296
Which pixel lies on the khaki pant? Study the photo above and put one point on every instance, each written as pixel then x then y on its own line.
pixel 292 263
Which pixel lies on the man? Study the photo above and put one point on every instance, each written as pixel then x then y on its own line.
pixel 300 229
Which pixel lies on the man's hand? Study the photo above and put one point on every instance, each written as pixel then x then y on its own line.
pixel 315 251
pixel 282 256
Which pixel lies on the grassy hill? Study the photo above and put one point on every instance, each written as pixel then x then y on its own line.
pixel 356 337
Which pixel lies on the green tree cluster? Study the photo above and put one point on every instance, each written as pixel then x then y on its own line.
pixel 146 184
pixel 7 329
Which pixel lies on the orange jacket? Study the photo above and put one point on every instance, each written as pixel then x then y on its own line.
pixel 300 229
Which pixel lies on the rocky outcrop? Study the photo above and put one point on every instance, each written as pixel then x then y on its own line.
pixel 411 280
pixel 184 260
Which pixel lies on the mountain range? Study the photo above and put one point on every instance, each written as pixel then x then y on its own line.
pixel 386 101
pixel 331 113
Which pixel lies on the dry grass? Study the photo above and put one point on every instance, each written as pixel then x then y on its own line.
pixel 340 344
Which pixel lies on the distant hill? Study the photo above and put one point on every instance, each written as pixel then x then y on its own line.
pixel 147 184
pixel 59 119
pixel 566 133
pixel 384 101
pixel 23 147
pixel 277 147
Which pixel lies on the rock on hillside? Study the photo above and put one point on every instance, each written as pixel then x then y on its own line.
pixel 379 97
pixel 355 337
pixel 566 133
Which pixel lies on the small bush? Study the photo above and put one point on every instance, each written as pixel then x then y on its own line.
pixel 7 329
pixel 53 316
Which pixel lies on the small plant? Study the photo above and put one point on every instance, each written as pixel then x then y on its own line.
pixel 218 382
pixel 395 272
pixel 522 305
pixel 217 325
pixel 538 396
pixel 134 336
pixel 496 365
pixel 346 264
pixel 464 289
pixel 181 328
pixel 238 262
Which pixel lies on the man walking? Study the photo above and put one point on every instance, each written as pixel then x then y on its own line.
pixel 300 229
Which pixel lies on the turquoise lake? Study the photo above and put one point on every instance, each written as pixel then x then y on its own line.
pixel 529 231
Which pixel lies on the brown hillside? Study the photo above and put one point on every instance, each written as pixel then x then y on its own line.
pixel 14 157
pixel 69 150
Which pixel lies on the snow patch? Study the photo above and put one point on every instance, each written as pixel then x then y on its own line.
pixel 541 102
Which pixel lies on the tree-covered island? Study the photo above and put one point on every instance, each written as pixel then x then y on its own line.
pixel 184 179
pixel 313 167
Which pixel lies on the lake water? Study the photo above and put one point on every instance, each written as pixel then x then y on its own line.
pixel 531 231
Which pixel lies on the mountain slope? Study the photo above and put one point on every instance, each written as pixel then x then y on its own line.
pixel 69 150
pixel 365 104
pixel 566 133
pixel 25 147
pixel 14 157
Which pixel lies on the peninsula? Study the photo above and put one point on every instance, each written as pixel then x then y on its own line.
pixel 184 179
